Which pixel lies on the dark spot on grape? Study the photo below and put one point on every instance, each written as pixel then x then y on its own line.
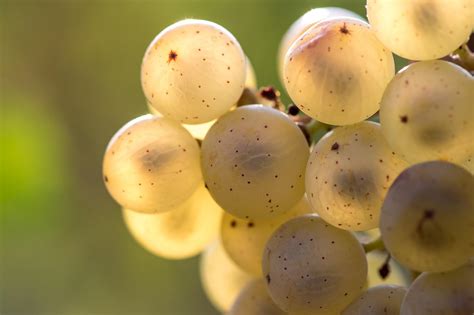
pixel 335 146
pixel 404 119
pixel 268 278
pixel 250 224
pixel 344 30
pixel 106 179
pixel 172 56
pixel 233 223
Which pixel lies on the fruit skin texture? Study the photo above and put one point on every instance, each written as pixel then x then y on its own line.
pixel 253 162
pixel 311 267
pixel 383 299
pixel 337 70
pixel 427 114
pixel 348 175
pixel 420 29
pixel 254 300
pixel 144 157
pixel 193 71
pixel 427 219
pixel 446 293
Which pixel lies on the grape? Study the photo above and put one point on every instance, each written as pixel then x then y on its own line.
pixel 337 70
pixel 302 24
pixel 253 161
pixel 221 279
pixel 313 268
pixel 383 299
pixel 144 157
pixel 421 29
pixel 244 240
pixel 447 293
pixel 426 112
pixel 180 233
pixel 427 219
pixel 348 174
pixel 193 71
pixel 397 275
pixel 254 300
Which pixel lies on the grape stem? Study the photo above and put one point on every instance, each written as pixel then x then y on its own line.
pixel 376 244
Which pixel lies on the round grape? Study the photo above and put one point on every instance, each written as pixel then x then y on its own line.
pixel 427 218
pixel 383 299
pixel 337 70
pixel 244 240
pixel 348 175
pixel 253 161
pixel 447 293
pixel 426 113
pixel 311 267
pixel 144 157
pixel 420 29
pixel 193 71
pixel 254 300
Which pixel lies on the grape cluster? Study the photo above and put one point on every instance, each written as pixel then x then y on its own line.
pixel 311 208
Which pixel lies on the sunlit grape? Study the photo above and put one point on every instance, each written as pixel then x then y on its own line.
pixel 421 29
pixel 221 279
pixel 244 239
pixel 337 70
pixel 311 267
pixel 302 24
pixel 253 162
pixel 144 157
pixel 383 299
pixel 447 293
pixel 254 300
pixel 427 218
pixel 193 71
pixel 426 113
pixel 348 174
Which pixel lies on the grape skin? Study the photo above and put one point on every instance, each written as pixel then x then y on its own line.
pixel 348 174
pixel 221 279
pixel 253 161
pixel 244 240
pixel 426 113
pixel 427 219
pixel 446 293
pixel 311 267
pixel 180 233
pixel 254 300
pixel 174 65
pixel 383 299
pixel 420 29
pixel 302 24
pixel 337 70
pixel 143 157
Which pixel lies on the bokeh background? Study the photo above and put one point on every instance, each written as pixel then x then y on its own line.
pixel 69 80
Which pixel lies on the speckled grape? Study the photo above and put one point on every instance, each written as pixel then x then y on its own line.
pixel 383 299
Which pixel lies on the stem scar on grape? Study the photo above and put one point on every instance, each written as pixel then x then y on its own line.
pixel 172 56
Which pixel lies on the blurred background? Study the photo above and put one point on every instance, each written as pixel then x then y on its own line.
pixel 69 79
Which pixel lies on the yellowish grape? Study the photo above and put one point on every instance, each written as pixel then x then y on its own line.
pixel 254 300
pixel 383 299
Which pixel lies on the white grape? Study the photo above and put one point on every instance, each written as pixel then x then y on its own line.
pixel 244 239
pixel 348 175
pixel 383 299
pixel 427 218
pixel 311 267
pixel 144 157
pixel 446 293
pixel 193 71
pixel 421 29
pixel 254 300
pixel 426 113
pixel 253 161
pixel 337 70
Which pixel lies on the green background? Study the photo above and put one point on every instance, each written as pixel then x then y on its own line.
pixel 69 80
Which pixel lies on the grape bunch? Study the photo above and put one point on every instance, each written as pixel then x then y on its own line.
pixel 357 198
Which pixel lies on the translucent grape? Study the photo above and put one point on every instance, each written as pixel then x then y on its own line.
pixel 193 71
pixel 383 299
pixel 254 300
pixel 397 275
pixel 311 267
pixel 427 219
pixel 337 70
pixel 421 29
pixel 244 240
pixel 348 175
pixel 180 233
pixel 253 161
pixel 302 24
pixel 426 113
pixel 221 279
pixel 144 157
pixel 447 293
